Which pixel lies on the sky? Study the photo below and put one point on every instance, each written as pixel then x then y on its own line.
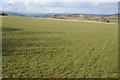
pixel 61 6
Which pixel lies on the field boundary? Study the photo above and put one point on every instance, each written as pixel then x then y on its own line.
pixel 77 20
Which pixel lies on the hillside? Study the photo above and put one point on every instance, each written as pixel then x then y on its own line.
pixel 109 18
pixel 113 18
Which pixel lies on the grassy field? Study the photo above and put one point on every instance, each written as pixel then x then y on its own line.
pixel 34 48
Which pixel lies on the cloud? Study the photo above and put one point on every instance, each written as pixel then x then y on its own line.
pixel 95 3
pixel 62 7
pixel 60 1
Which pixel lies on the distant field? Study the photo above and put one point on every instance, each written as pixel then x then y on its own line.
pixel 106 19
pixel 34 48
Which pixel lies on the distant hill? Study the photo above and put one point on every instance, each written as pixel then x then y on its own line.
pixel 77 16
pixel 34 14
pixel 53 14
pixel 115 15
pixel 109 18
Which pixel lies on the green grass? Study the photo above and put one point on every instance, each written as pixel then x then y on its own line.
pixel 34 48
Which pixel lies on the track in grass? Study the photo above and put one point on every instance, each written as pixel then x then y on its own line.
pixel 37 48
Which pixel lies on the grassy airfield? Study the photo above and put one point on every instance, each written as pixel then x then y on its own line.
pixel 34 48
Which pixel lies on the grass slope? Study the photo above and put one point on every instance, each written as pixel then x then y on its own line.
pixel 34 48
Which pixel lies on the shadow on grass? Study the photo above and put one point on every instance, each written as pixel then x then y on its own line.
pixel 9 44
pixel 10 29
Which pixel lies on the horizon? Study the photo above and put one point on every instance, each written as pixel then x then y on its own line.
pixel 59 13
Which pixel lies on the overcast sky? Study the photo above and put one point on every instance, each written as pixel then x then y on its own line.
pixel 63 6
